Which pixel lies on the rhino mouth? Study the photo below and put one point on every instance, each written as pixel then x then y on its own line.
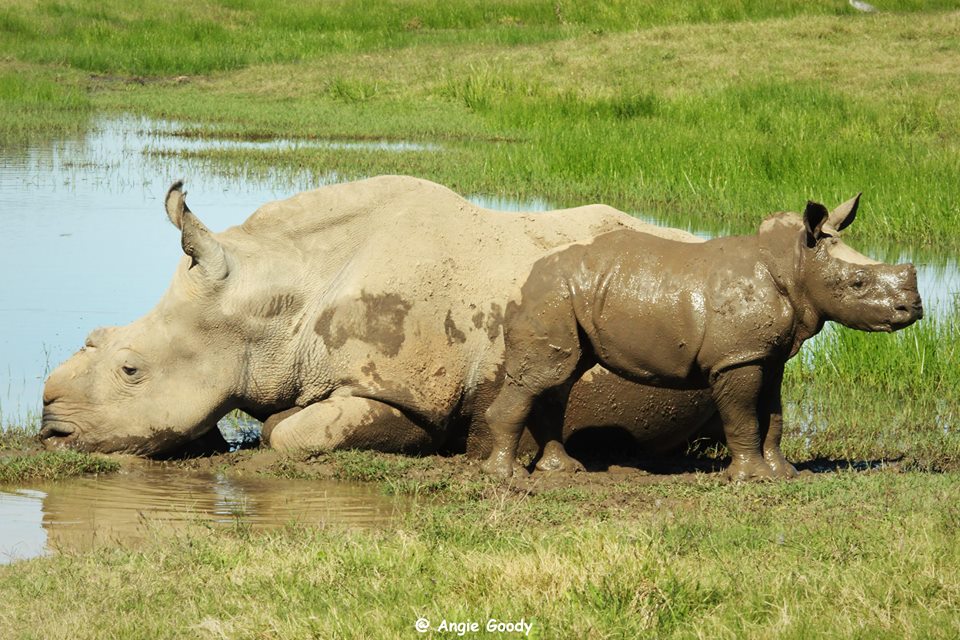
pixel 903 316
pixel 56 432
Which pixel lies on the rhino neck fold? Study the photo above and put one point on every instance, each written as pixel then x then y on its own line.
pixel 270 379
pixel 785 263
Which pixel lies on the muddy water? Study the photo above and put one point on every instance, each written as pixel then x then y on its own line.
pixel 132 506
pixel 85 242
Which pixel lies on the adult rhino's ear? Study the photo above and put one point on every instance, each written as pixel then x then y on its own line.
pixel 814 217
pixel 841 217
pixel 197 241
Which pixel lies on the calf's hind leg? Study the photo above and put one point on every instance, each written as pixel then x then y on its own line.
pixel 543 353
pixel 348 422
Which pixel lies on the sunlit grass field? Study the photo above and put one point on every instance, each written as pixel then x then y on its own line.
pixel 862 396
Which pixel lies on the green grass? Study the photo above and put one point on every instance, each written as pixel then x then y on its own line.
pixel 164 38
pixel 51 465
pixel 704 114
pixel 862 396
pixel 847 555
pixel 20 435
pixel 709 126
pixel 23 460
pixel 717 161
pixel 38 106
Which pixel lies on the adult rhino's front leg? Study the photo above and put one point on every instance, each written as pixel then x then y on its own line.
pixel 346 422
pixel 737 394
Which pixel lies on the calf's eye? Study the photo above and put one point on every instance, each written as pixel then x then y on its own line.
pixel 130 371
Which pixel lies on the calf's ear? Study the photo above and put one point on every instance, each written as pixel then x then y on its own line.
pixel 814 217
pixel 842 216
pixel 195 238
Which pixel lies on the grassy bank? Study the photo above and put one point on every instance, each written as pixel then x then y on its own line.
pixel 210 36
pixel 18 468
pixel 38 106
pixel 22 459
pixel 844 555
pixel 867 396
pixel 702 114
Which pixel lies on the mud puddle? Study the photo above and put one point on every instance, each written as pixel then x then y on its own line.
pixel 135 504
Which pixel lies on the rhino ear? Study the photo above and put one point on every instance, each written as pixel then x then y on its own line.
pixel 814 217
pixel 197 241
pixel 842 216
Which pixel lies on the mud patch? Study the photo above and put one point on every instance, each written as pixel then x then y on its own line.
pixel 376 319
pixel 494 321
pixel 454 335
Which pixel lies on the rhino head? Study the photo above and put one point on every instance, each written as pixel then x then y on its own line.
pixel 836 282
pixel 165 379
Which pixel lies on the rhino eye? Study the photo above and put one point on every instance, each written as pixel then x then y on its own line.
pixel 858 284
pixel 130 371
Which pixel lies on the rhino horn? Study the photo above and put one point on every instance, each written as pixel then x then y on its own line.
pixel 841 217
pixel 195 238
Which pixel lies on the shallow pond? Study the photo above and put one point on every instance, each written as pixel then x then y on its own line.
pixel 132 506
pixel 86 243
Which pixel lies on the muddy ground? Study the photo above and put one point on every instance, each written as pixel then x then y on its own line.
pixel 436 472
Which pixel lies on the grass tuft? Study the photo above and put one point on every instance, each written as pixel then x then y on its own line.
pixel 52 465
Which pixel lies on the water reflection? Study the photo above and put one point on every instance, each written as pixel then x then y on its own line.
pixel 130 507
pixel 85 242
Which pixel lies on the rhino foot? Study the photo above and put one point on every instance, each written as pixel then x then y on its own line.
pixel 743 470
pixel 555 458
pixel 503 466
pixel 779 465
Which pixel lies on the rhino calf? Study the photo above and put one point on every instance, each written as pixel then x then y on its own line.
pixel 723 315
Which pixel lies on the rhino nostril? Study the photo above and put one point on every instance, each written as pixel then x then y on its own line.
pixel 58 430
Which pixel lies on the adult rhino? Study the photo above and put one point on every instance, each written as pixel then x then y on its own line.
pixel 365 314
pixel 358 315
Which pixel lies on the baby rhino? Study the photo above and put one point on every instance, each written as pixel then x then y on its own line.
pixel 724 315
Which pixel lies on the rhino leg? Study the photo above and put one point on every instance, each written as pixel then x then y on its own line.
pixel 772 425
pixel 349 422
pixel 548 432
pixel 543 354
pixel 737 394
pixel 271 423
pixel 506 417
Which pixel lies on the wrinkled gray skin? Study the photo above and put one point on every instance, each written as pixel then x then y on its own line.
pixel 722 316
pixel 365 314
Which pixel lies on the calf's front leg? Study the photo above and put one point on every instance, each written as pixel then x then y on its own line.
pixel 771 423
pixel 736 392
